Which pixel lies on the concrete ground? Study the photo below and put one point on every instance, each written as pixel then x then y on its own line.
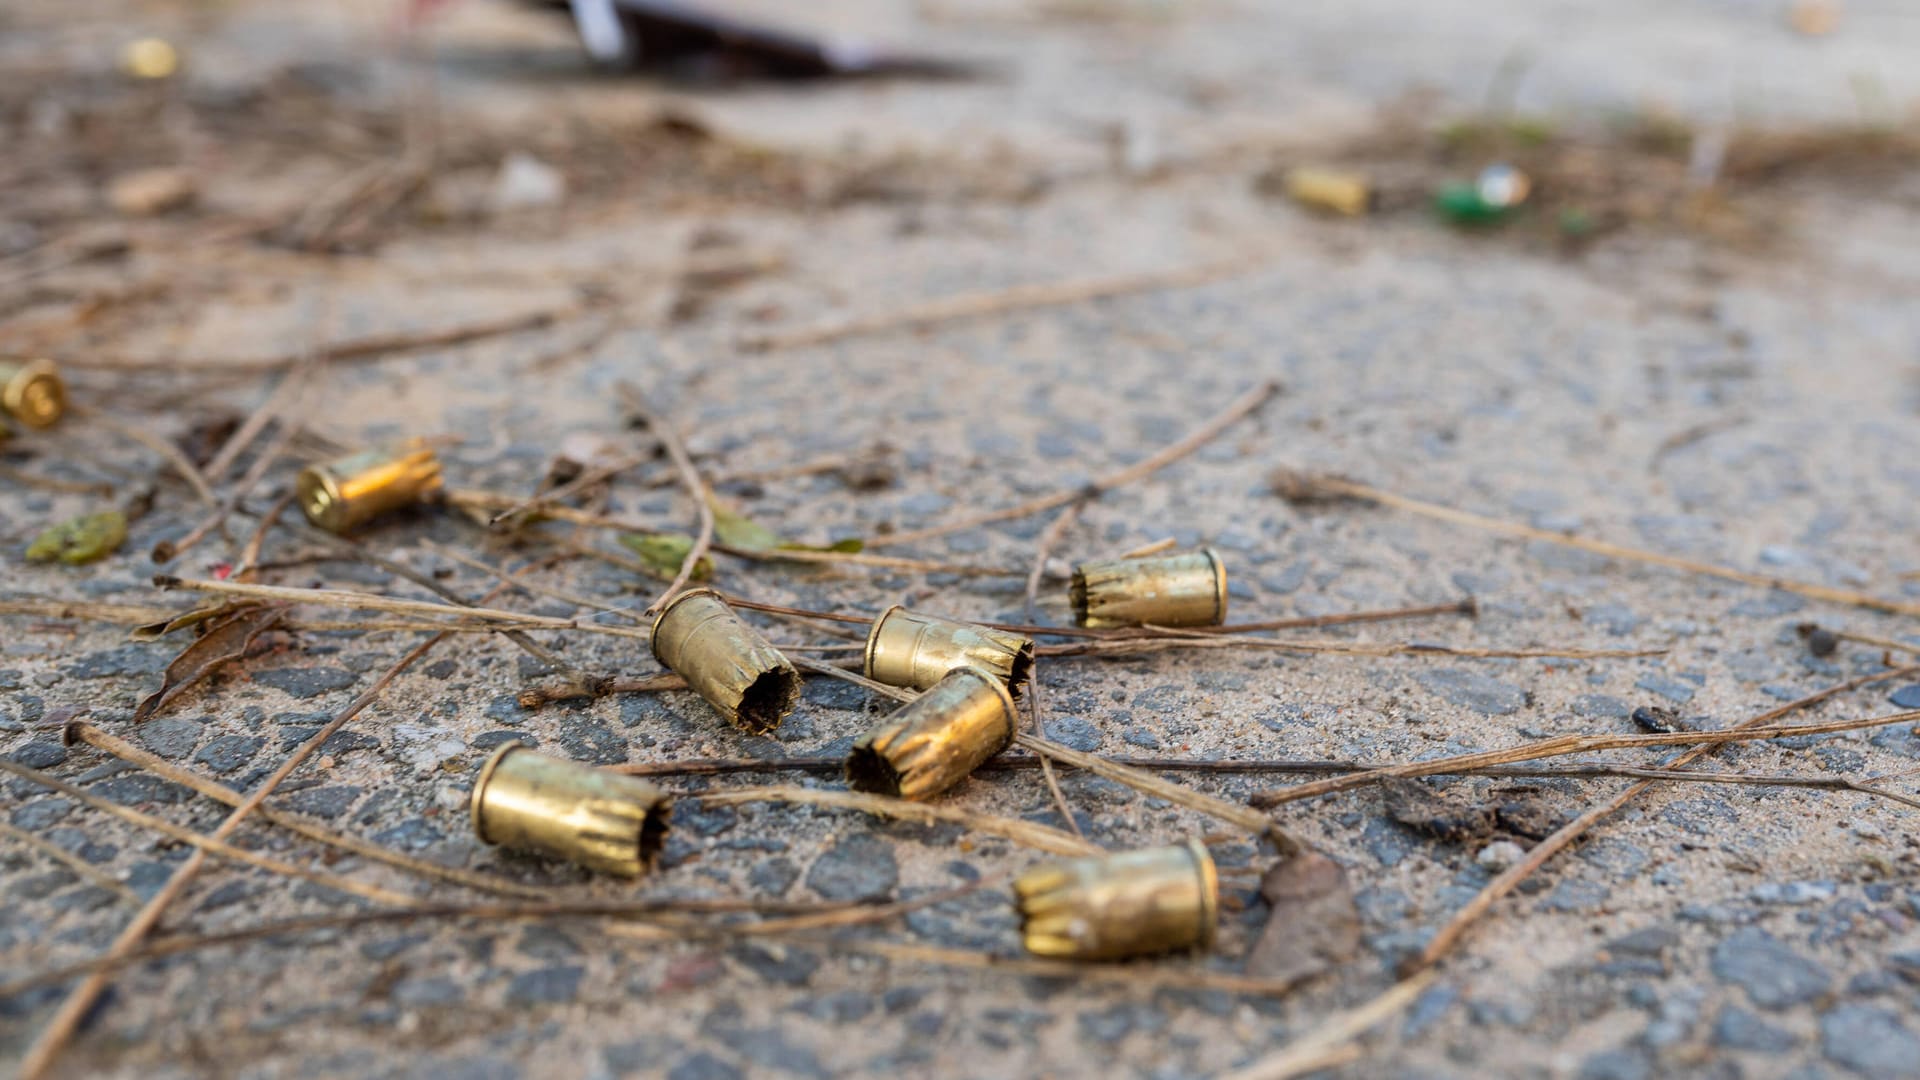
pixel 1751 405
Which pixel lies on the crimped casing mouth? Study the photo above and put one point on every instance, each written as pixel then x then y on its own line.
pixel 343 494
pixel 600 820
pixel 937 740
pixel 726 661
pixel 917 650
pixel 1111 907
pixel 1187 589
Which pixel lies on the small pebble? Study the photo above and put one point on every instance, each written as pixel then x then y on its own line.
pixel 1500 855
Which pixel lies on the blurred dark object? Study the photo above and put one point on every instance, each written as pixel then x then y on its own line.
pixel 698 43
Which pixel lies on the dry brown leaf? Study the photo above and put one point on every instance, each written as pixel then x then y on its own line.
pixel 1314 925
pixel 227 638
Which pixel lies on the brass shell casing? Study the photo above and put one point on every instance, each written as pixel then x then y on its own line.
pixel 1189 589
pixel 1110 907
pixel 907 648
pixel 937 740
pixel 726 661
pixel 32 392
pixel 603 821
pixel 1334 190
pixel 343 494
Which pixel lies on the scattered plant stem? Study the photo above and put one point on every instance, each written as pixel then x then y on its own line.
pixel 1240 408
pixel 1300 487
pixel 1456 927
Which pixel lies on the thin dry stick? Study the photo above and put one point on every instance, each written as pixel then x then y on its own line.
pixel 1013 763
pixel 1034 694
pixel 54 1037
pixel 213 789
pixel 1878 642
pixel 974 305
pixel 1509 879
pixel 367 348
pixel 488 501
pixel 1241 407
pixel 1302 488
pixel 585 480
pixel 1324 1045
pixel 248 563
pixel 286 393
pixel 1045 545
pixel 346 598
pixel 1570 744
pixel 1025 833
pixel 1251 820
pixel 588 683
pixel 1176 639
pixel 818 668
pixel 1133 976
pixel 167 551
pixel 210 844
pixel 176 944
pixel 48 608
pixel 71 861
pixel 689 475
pixel 167 451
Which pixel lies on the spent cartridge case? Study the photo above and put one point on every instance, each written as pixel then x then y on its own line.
pixel 1110 907
pixel 908 648
pixel 32 392
pixel 937 740
pixel 603 821
pixel 726 661
pixel 1188 589
pixel 343 494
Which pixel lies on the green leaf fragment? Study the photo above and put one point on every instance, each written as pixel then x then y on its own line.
pixel 736 530
pixel 663 554
pixel 82 540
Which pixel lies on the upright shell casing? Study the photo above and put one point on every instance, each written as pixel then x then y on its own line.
pixel 726 661
pixel 1189 589
pixel 1109 907
pixel 907 648
pixel 32 392
pixel 937 740
pixel 603 821
pixel 343 494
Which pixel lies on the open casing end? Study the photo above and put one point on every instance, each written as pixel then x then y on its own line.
pixel 603 821
pixel 343 494
pixel 726 661
pixel 1111 907
pixel 1189 589
pixel 907 648
pixel 937 740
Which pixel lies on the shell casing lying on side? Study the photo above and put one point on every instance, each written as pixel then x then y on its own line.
pixel 1110 907
pixel 343 494
pixel 937 740
pixel 726 661
pixel 1336 190
pixel 1166 590
pixel 603 821
pixel 32 392
pixel 907 648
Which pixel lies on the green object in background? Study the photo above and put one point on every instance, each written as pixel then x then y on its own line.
pixel 1461 204
pixel 663 554
pixel 84 539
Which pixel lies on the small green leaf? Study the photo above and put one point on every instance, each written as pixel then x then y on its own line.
pixel 737 530
pixel 81 540
pixel 852 545
pixel 662 553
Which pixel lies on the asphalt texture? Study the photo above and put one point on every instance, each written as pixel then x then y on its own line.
pixel 1750 407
